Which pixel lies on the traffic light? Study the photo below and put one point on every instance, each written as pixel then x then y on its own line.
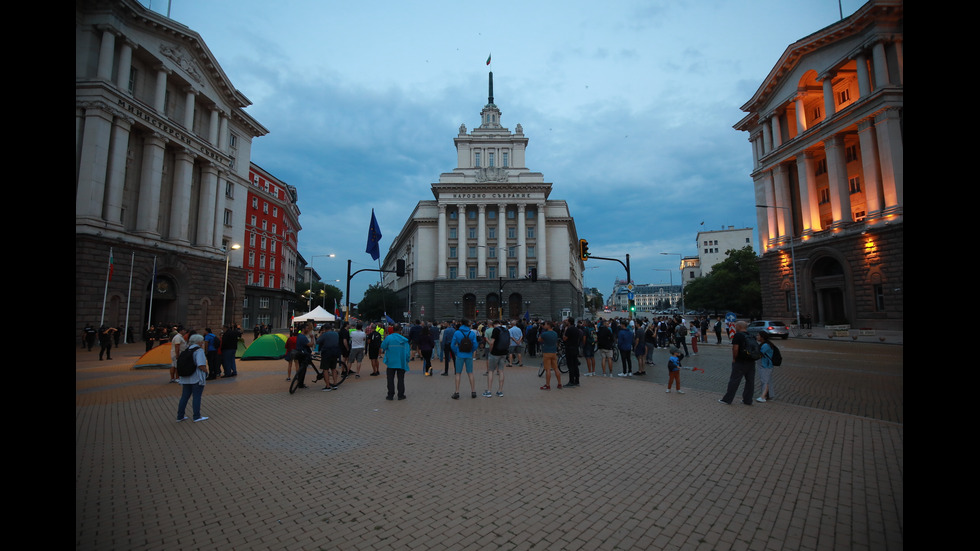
pixel 632 305
pixel 534 275
pixel 583 249
pixel 400 267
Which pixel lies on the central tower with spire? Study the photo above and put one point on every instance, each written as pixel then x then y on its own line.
pixel 490 116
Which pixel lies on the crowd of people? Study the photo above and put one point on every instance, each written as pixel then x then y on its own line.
pixel 459 344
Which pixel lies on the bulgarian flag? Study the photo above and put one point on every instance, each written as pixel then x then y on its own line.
pixel 111 264
pixel 488 59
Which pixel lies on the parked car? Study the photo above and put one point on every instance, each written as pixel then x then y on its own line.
pixel 774 328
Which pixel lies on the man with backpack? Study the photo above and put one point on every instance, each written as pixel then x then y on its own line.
pixel 192 370
pixel 498 347
pixel 745 352
pixel 463 345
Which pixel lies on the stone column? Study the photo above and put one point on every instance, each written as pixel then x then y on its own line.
pixel 93 162
pixel 189 110
pixel 481 242
pixel 762 215
pixel 891 157
pixel 125 65
pixel 502 240
pixel 828 97
pixel 222 143
pixel 542 241
pixel 443 242
pixel 800 114
pixel 777 131
pixel 461 243
pixel 213 127
pixel 180 204
pixel 864 76
pixel 207 214
pixel 107 53
pixel 781 190
pixel 840 197
pixel 160 93
pixel 809 201
pixel 521 240
pixel 766 138
pixel 117 170
pixel 880 65
pixel 151 181
pixel 870 167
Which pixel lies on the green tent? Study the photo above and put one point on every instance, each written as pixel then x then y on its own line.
pixel 266 347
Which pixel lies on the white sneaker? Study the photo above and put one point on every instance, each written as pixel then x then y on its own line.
pixel 620 374
pixel 198 420
pixel 760 399
pixel 680 392
pixel 668 391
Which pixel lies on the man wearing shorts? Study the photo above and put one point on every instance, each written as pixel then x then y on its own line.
pixel 605 343
pixel 516 342
pixel 464 345
pixel 357 342
pixel 498 349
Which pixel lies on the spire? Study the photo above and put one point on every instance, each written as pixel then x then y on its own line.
pixel 490 99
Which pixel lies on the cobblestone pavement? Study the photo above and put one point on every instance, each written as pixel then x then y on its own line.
pixel 614 464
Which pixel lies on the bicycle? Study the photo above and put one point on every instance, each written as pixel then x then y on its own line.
pixel 306 361
pixel 562 362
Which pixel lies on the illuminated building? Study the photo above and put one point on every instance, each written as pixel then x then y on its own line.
pixel 826 128
pixel 162 149
pixel 492 223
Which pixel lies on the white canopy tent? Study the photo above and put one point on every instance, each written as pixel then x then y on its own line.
pixel 318 314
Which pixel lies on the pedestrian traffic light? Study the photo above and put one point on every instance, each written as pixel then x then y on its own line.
pixel 534 275
pixel 583 249
pixel 632 305
pixel 400 267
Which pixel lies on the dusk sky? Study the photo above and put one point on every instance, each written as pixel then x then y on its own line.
pixel 628 107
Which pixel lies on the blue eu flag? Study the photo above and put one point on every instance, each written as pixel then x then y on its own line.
pixel 374 237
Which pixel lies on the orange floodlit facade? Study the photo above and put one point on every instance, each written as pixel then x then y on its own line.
pixel 826 130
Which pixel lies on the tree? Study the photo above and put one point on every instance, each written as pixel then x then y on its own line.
pixel 377 300
pixel 322 295
pixel 733 285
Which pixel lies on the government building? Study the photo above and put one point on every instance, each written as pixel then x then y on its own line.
pixel 492 243
pixel 826 128
pixel 162 161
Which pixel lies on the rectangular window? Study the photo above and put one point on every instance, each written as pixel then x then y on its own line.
pixel 511 214
pixel 530 232
pixel 255 202
pixel 879 293
pixel 471 232
pixel 471 252
pixel 252 220
pixel 133 73
pixel 452 252
pixel 476 159
pixel 263 242
pixel 452 272
pixel 251 239
pixel 492 214
pixel 452 233
pixel 261 280
pixel 490 159
pixel 511 252
pixel 851 153
pixel 251 258
pixel 492 252
pixel 227 217
pixel 530 251
pixel 471 214
pixel 263 302
pixel 492 272
pixel 511 233
pixel 262 261
pixel 512 272
pixel 492 232
pixel 229 190
pixel 505 161
pixel 265 207
pixel 854 183
pixel 472 273
pixel 843 96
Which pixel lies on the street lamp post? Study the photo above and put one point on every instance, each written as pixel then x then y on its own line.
pixel 680 261
pixel 792 253
pixel 224 290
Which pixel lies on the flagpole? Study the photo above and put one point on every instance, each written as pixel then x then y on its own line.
pixel 153 285
pixel 105 293
pixel 129 297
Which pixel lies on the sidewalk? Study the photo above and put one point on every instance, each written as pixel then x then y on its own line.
pixel 614 464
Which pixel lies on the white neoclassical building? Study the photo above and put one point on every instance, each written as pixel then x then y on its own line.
pixel 471 251
pixel 162 151
pixel 826 128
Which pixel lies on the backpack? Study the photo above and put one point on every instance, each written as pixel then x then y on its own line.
pixel 681 331
pixel 465 344
pixel 752 351
pixel 500 346
pixel 185 362
pixel 777 356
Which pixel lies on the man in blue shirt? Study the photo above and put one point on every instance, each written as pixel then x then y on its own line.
pixel 463 345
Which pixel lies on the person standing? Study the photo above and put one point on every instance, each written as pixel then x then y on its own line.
pixel 212 348
pixel 229 347
pixel 426 344
pixel 674 370
pixel 516 343
pixel 624 341
pixel 695 337
pixel 447 349
pixel 192 386
pixel 150 337
pixel 290 353
pixel 330 347
pixel 358 340
pixel 396 350
pixel 718 330
pixel 463 345
pixel 497 356
pixel 573 340
pixel 105 341
pixel 374 339
pixel 549 354
pixel 765 367
pixel 177 344
pixel 743 365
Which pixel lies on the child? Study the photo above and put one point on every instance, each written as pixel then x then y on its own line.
pixel 674 369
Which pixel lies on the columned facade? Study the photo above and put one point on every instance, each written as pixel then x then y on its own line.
pixel 826 130
pixel 473 250
pixel 162 157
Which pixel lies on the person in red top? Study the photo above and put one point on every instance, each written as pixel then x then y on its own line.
pixel 290 353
